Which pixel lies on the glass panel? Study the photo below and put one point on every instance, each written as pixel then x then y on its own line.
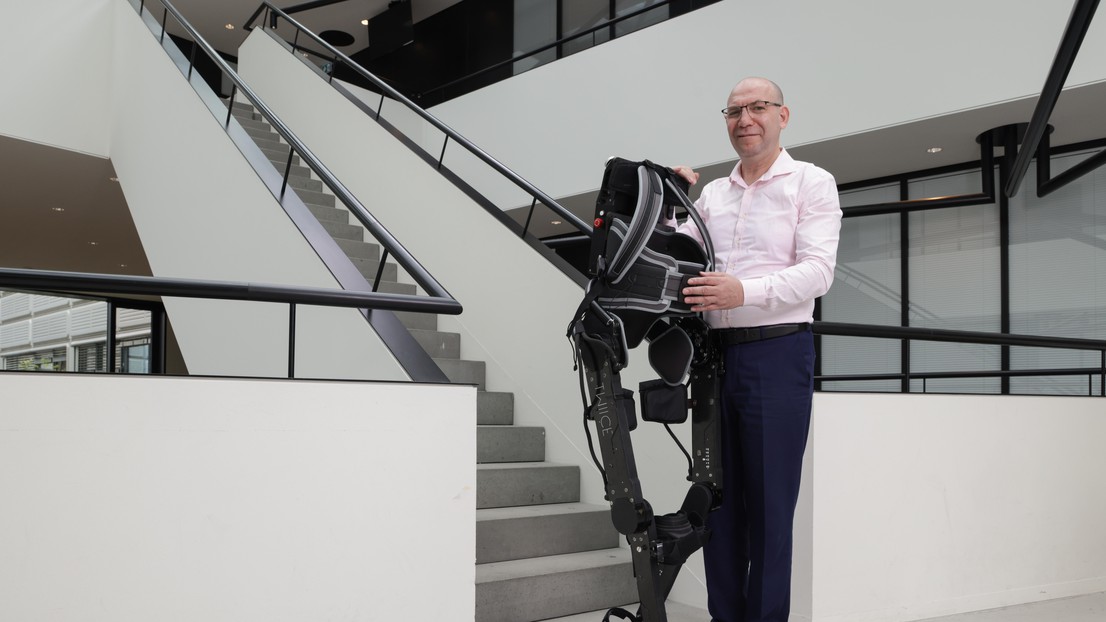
pixel 866 289
pixel 579 15
pixel 1058 276
pixel 535 26
pixel 955 284
pixel 622 7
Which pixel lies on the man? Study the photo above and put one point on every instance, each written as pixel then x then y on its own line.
pixel 774 223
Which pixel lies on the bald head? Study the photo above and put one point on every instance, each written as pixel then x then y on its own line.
pixel 758 83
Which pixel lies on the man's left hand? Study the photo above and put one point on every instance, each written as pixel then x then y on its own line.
pixel 714 291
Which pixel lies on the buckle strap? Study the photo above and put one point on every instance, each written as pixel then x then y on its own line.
pixel 734 336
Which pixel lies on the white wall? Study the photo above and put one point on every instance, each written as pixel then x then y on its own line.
pixel 845 67
pixel 57 73
pixel 928 505
pixel 181 499
pixel 202 212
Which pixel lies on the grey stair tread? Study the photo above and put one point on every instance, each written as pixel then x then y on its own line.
pixel 495 408
pixel 392 287
pixel 558 585
pixel 313 197
pixel 540 530
pixel 526 483
pixel 360 250
pixel 463 371
pixel 425 321
pixel 305 183
pixel 438 344
pixel 331 214
pixel 279 156
pixel 509 443
pixel 344 231
pixel 498 571
pixel 253 124
pixel 369 267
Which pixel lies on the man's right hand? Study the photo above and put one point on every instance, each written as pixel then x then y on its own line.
pixel 687 173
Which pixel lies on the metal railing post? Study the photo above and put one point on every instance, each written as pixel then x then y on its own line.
pixel 164 17
pixel 230 104
pixel 292 340
pixel 441 157
pixel 380 269
pixel 111 338
pixel 529 215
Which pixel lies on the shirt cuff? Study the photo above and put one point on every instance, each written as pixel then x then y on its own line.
pixel 756 294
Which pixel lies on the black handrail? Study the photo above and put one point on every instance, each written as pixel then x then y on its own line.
pixel 559 42
pixel 85 283
pixel 962 336
pixel 1078 23
pixel 403 257
pixel 450 133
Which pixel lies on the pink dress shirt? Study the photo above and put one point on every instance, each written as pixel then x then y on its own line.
pixel 778 236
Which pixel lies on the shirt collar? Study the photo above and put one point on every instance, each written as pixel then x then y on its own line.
pixel 783 165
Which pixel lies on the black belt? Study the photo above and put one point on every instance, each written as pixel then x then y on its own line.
pixel 734 336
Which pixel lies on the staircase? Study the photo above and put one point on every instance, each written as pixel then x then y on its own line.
pixel 540 553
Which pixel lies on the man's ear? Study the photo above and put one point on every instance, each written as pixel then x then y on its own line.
pixel 785 114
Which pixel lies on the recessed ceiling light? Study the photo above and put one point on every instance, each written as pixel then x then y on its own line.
pixel 113 179
pixel 364 22
pixel 122 265
pixel 93 243
pixel 554 222
pixel 229 26
pixel 58 209
pixel 933 150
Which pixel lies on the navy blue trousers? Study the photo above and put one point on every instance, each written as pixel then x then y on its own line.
pixel 766 398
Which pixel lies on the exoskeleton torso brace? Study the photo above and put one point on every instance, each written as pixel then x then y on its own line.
pixel 640 266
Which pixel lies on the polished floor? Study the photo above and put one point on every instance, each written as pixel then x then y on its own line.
pixel 1090 608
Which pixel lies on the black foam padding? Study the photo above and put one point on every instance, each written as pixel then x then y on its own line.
pixel 670 355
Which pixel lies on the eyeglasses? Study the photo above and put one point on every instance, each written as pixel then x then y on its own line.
pixel 755 109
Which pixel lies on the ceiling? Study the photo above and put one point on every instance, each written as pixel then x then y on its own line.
pixel 83 224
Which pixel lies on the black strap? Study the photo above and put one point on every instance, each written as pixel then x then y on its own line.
pixel 621 613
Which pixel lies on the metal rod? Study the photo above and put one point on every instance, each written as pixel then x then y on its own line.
pixel 380 269
pixel 441 157
pixel 164 16
pixel 111 338
pixel 230 104
pixel 287 171
pixel 191 61
pixel 1073 173
pixel 1078 23
pixel 85 283
pixel 160 346
pixel 529 215
pixel 292 340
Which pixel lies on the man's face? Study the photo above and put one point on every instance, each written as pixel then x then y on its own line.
pixel 755 135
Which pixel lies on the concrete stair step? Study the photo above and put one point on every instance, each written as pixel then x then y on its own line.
pixel 360 250
pixel 439 344
pixel 526 483
pixel 509 443
pixel 331 214
pixel 321 198
pixel 257 125
pixel 344 231
pixel 422 321
pixel 495 408
pixel 392 287
pixel 368 268
pixel 304 182
pixel 540 530
pixel 279 157
pixel 557 585
pixel 461 371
